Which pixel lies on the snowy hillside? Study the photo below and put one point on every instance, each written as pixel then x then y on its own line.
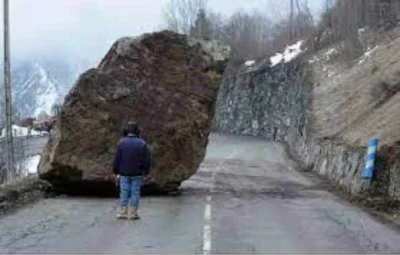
pixel 39 84
pixel 35 90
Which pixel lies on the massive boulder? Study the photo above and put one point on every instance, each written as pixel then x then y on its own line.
pixel 165 81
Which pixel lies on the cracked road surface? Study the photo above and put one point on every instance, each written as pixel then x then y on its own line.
pixel 245 198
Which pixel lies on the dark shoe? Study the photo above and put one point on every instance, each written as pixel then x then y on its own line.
pixel 133 215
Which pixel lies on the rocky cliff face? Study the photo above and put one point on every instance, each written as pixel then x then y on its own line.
pixel 326 110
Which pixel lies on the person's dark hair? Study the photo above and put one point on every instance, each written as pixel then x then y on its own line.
pixel 131 128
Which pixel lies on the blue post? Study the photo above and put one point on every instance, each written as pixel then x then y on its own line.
pixel 369 164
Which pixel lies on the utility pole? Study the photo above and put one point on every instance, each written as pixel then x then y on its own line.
pixel 7 92
pixel 200 21
pixel 291 20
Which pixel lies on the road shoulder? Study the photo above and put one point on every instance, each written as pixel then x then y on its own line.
pixel 21 193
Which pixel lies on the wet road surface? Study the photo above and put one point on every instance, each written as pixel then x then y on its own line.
pixel 245 198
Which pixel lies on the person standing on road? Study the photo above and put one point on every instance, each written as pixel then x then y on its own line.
pixel 131 164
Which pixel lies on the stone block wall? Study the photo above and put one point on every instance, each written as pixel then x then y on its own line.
pixel 273 103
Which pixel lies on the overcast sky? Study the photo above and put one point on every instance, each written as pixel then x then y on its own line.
pixel 87 28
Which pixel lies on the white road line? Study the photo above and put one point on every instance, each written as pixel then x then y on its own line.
pixel 213 176
pixel 207 210
pixel 207 239
pixel 207 227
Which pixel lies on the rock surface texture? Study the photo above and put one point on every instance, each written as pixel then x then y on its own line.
pixel 166 82
pixel 326 110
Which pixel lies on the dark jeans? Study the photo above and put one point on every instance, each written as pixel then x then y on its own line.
pixel 130 190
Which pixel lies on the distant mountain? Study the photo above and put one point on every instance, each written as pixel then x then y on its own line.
pixel 35 89
pixel 39 84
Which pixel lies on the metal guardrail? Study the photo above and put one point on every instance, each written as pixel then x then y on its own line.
pixel 2 139
pixel 26 145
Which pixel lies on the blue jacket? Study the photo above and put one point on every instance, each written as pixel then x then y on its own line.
pixel 132 157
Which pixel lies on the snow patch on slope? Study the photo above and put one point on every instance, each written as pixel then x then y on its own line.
pixel 18 131
pixel 367 54
pixel 28 165
pixel 290 53
pixel 249 63
pixel 48 94
pixel 32 163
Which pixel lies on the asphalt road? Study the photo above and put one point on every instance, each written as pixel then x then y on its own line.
pixel 245 198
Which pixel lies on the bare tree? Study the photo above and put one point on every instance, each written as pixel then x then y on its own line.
pixel 303 7
pixel 344 19
pixel 202 26
pixel 293 20
pixel 343 16
pixel 217 22
pixel 181 15
pixel 248 34
pixel 283 9
pixel 251 35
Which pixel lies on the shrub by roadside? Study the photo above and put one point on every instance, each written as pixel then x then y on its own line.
pixel 22 192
